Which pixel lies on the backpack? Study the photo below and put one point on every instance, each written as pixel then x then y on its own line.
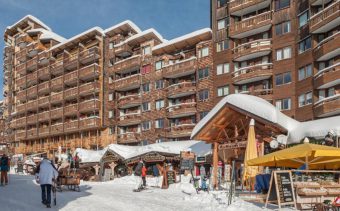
pixel 138 169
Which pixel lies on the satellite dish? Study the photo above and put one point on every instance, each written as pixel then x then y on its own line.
pixel 274 144
pixel 282 139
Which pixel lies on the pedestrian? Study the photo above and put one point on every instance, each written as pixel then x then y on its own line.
pixel 76 160
pixel 45 174
pixel 4 167
pixel 155 172
pixel 144 175
pixel 138 173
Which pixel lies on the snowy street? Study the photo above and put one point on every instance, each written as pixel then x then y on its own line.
pixel 24 194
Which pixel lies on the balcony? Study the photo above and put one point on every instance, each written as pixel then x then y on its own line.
pixel 89 123
pixel 327 48
pixel 34 48
pixel 71 78
pixel 266 94
pixel 177 131
pixel 32 64
pixel 57 98
pixel 57 83
pixel 32 79
pixel 32 105
pixel 182 110
pixel 57 68
pixel 128 83
pixel 123 50
pixel 57 113
pixel 8 50
pixel 56 128
pixel 253 49
pixel 71 62
pixel 20 122
pixel 129 119
pixel 318 2
pixel 328 106
pixel 43 102
pixel 251 26
pixel 129 137
pixel 43 58
pixel 20 108
pixel 327 77
pixel 89 106
pixel 71 93
pixel 129 101
pixel 21 55
pixel 326 19
pixel 240 7
pixel 71 126
pixel 21 69
pixel 21 96
pixel 89 55
pixel 21 82
pixel 131 63
pixel 19 135
pixel 44 73
pixel 253 73
pixel 89 72
pixel 32 119
pixel 71 110
pixel 89 88
pixel 181 89
pixel 44 116
pixel 181 68
pixel 44 131
pixel 23 40
pixel 44 88
pixel 32 133
pixel 32 92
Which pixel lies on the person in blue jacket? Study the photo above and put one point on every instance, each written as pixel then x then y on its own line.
pixel 4 167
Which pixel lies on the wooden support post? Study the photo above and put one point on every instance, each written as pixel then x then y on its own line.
pixel 215 164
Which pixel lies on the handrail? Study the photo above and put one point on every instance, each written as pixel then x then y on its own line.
pixel 253 66
pixel 251 42
pixel 326 40
pixel 181 61
pixel 181 104
pixel 186 82
pixel 324 70
pixel 320 102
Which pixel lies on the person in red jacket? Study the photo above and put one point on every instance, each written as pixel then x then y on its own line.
pixel 144 175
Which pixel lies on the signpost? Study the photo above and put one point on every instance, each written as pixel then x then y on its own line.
pixel 281 189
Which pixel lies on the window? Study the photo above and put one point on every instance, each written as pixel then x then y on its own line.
pixel 146 69
pixel 222 68
pixel 222 91
pixel 111 44
pixel 221 46
pixel 284 53
pixel 160 140
pixel 331 92
pixel 146 106
pixel 283 78
pixel 159 84
pixel 110 96
pixel 309 98
pixel 144 143
pixel 223 23
pixel 159 64
pixel 146 87
pixel 203 73
pixel 305 72
pixel 159 123
pixel 146 125
pixel 111 130
pixel 305 45
pixel 283 104
pixel 221 3
pixel 147 50
pixel 203 52
pixel 305 99
pixel 203 95
pixel 111 114
pixel 203 114
pixel 303 19
pixel 111 62
pixel 282 28
pixel 280 4
pixel 159 104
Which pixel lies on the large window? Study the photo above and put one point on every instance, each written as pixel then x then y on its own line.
pixel 146 87
pixel 159 84
pixel 305 45
pixel 203 95
pixel 159 123
pixel 203 52
pixel 203 73
pixel 159 64
pixel 159 104
pixel 305 99
pixel 222 23
pixel 221 46
pixel 146 125
pixel 282 28
pixel 223 91
pixel 305 72
pixel 146 106
pixel 147 50
pixel 303 19
pixel 280 4
pixel 283 78
pixel 283 53
pixel 283 104
pixel 222 68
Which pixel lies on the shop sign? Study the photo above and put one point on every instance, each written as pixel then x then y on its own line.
pixel 153 157
pixel 234 145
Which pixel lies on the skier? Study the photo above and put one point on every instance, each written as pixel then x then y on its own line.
pixel 46 172
pixel 138 173
pixel 4 167
pixel 144 175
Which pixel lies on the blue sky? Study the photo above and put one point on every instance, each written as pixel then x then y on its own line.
pixel 171 18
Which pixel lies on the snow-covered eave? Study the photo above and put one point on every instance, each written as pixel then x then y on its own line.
pixel 47 35
pixel 142 34
pixel 29 17
pixel 129 23
pixel 164 153
pixel 183 38
pixel 94 29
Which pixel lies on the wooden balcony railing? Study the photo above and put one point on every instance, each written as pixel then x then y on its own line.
pixel 21 96
pixel 326 106
pixel 32 64
pixel 20 122
pixel 89 123
pixel 43 101
pixel 129 119
pixel 182 109
pixel 237 5
pixel 21 68
pixel 90 105
pixel 57 83
pixel 43 87
pixel 71 62
pixel 71 93
pixel 44 116
pixel 255 72
pixel 32 133
pixel 129 63
pixel 89 88
pixel 130 100
pixel 57 113
pixel 71 78
pixel 20 108
pixel 20 135
pixel 128 82
pixel 44 73
pixel 324 17
pixel 32 105
pixel 71 110
pixel 129 137
pixel 123 49
pixel 32 119
pixel 57 97
pixel 181 88
pixel 32 79
pixel 21 82
pixel 327 75
pixel 89 72
pixel 187 66
pixel 89 55
pixel 56 128
pixel 32 92
pixel 69 126
pixel 327 47
pixel 21 55
pixel 57 67
pixel 253 48
pixel 44 131
pixel 182 130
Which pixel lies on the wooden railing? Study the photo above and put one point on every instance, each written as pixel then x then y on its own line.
pixel 127 81
pixel 252 47
pixel 182 108
pixel 325 16
pixel 89 71
pixel 183 87
pixel 188 65
pixel 251 23
pixel 129 63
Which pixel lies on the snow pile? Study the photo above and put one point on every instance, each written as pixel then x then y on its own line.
pixel 90 156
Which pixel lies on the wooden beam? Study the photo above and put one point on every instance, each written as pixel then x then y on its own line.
pixel 215 164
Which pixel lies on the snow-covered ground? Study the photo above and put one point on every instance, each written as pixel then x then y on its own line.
pixel 23 193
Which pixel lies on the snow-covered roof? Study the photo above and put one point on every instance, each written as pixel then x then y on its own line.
pixel 47 35
pixel 29 17
pixel 200 149
pixel 122 150
pixel 90 156
pixel 315 128
pixel 144 35
pixel 121 25
pixel 193 35
pixel 94 29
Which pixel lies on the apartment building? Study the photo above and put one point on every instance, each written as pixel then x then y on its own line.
pixel 285 51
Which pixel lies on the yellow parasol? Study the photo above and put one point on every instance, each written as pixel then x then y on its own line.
pixel 251 153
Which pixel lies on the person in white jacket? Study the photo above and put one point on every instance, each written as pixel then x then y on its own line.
pixel 45 173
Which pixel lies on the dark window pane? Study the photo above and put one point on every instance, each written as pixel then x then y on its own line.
pixel 278 29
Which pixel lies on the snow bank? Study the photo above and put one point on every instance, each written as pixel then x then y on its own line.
pixel 90 156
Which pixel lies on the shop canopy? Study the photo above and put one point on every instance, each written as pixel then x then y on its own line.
pixel 313 156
